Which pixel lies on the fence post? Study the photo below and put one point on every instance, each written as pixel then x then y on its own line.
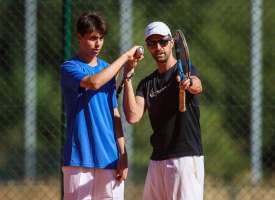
pixel 126 33
pixel 256 90
pixel 67 48
pixel 30 52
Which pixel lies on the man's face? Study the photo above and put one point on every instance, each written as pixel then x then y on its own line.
pixel 91 43
pixel 160 47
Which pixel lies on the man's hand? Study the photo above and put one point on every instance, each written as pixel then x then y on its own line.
pixel 187 83
pixel 192 84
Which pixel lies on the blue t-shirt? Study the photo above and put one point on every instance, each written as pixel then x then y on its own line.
pixel 90 132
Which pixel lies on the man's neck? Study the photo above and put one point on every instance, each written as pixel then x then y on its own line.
pixel 164 67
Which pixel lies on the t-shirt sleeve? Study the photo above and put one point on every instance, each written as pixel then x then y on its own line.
pixel 71 75
pixel 194 71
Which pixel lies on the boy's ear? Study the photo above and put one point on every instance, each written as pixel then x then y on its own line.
pixel 79 36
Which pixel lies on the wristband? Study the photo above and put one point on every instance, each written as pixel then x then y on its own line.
pixel 127 78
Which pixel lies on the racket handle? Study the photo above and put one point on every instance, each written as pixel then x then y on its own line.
pixel 119 89
pixel 182 96
pixel 139 52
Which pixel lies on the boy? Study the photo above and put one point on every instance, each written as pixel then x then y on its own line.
pixel 95 158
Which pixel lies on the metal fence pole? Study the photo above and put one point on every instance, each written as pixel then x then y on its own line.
pixel 67 51
pixel 30 52
pixel 126 34
pixel 256 90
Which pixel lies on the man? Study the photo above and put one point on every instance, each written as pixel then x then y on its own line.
pixel 95 158
pixel 176 168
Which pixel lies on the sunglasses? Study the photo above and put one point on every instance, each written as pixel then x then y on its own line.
pixel 162 42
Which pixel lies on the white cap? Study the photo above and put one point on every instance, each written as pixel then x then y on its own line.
pixel 158 28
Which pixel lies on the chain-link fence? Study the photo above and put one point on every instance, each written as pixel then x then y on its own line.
pixel 232 45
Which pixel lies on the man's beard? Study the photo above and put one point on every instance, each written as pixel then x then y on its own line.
pixel 161 58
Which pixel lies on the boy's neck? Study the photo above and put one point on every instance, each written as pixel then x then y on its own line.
pixel 90 60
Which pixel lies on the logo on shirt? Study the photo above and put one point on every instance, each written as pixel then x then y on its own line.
pixel 154 93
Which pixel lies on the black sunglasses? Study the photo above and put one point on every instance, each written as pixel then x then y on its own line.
pixel 162 42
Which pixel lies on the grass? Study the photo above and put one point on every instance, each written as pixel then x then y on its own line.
pixel 239 189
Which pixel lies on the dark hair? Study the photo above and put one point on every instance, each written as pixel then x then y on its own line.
pixel 89 22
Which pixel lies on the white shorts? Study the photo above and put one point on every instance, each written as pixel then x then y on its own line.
pixel 175 179
pixel 91 184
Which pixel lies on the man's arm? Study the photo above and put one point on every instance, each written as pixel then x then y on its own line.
pixel 122 165
pixel 133 106
pixel 96 81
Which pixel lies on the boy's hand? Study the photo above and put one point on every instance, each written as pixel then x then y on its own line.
pixel 137 54
pixel 122 167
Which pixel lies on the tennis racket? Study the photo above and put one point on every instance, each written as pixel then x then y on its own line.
pixel 183 65
pixel 138 53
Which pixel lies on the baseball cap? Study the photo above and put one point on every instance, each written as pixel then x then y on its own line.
pixel 158 28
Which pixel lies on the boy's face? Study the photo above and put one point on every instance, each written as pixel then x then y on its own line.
pixel 91 43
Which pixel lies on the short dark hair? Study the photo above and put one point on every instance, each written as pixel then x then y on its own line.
pixel 89 22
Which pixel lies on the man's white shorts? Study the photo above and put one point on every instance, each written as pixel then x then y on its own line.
pixel 91 184
pixel 175 179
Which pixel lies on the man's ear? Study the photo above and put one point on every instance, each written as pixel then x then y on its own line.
pixel 172 43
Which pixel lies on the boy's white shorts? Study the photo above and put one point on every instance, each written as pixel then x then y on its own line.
pixel 175 179
pixel 91 184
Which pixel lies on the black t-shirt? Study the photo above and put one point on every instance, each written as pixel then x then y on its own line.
pixel 175 134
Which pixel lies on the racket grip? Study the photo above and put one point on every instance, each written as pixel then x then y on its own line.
pixel 119 90
pixel 182 97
